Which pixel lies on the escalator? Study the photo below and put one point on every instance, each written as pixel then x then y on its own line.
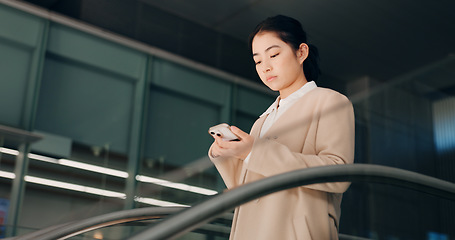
pixel 212 217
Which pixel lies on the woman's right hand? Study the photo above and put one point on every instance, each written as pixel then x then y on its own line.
pixel 238 149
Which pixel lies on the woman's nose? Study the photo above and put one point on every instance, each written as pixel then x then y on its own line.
pixel 267 68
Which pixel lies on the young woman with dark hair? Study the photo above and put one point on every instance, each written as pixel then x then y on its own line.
pixel 307 126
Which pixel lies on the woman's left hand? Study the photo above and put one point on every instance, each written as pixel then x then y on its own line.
pixel 238 149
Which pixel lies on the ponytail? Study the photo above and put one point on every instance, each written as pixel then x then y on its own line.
pixel 311 64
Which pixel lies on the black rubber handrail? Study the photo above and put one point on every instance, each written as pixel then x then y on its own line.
pixel 187 219
pixel 76 227
pixel 70 229
pixel 197 215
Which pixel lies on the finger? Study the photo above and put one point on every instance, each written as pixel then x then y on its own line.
pixel 217 138
pixel 237 131
pixel 219 141
pixel 213 150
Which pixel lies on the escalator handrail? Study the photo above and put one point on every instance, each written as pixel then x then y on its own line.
pixel 199 214
pixel 73 228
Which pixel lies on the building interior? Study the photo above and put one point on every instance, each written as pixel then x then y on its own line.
pixel 105 105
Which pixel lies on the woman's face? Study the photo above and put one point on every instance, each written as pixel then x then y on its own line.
pixel 277 64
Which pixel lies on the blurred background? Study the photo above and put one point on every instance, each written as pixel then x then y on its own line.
pixel 105 104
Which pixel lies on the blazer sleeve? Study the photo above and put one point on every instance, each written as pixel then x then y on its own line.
pixel 333 144
pixel 228 168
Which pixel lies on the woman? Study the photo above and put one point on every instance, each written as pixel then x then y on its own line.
pixel 307 126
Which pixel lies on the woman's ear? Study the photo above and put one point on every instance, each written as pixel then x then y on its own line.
pixel 302 52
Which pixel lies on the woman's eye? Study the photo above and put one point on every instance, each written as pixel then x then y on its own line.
pixel 258 62
pixel 274 55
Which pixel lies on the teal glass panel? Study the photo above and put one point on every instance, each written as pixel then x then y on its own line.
pixel 249 105
pixel 252 101
pixel 88 105
pixel 20 35
pixel 95 51
pixel 19 27
pixel 14 67
pixel 177 128
pixel 176 146
pixel 190 82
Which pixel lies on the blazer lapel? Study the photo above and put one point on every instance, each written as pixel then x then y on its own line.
pixel 255 131
pixel 257 126
pixel 287 120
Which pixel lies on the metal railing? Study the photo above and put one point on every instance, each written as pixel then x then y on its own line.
pixel 195 216
pixel 187 219
pixel 70 229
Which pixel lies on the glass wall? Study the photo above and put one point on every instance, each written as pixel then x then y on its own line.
pixel 120 126
pixel 123 125
pixel 407 123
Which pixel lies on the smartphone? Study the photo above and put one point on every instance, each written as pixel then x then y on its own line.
pixel 223 130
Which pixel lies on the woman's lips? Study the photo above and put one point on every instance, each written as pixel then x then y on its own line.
pixel 270 78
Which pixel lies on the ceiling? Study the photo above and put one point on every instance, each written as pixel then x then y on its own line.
pixel 381 40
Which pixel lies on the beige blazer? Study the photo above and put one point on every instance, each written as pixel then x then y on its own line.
pixel 317 130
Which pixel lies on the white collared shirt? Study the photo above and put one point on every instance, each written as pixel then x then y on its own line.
pixel 279 107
